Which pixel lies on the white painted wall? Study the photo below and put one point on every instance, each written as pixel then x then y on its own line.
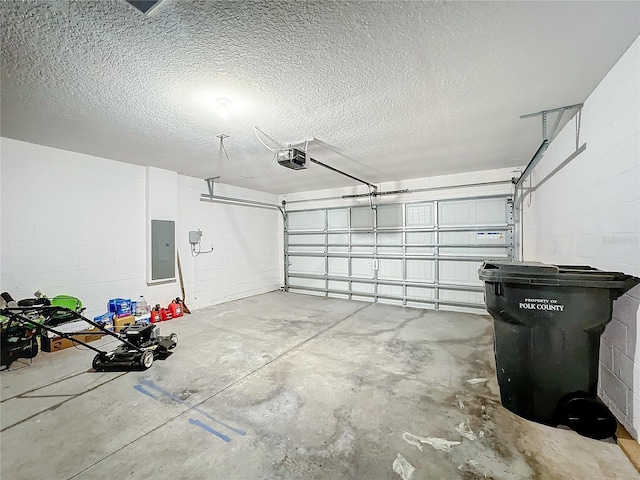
pixel 75 224
pixel 589 213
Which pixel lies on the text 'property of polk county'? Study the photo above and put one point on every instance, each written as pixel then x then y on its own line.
pixel 541 304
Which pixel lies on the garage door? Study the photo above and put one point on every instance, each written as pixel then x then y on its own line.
pixel 420 254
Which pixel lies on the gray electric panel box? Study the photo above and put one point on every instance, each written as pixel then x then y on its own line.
pixel 163 249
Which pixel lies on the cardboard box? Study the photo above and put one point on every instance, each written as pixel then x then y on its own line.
pixel 55 344
pixel 120 322
pixel 91 337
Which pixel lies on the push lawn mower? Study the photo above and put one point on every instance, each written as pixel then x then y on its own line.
pixel 141 342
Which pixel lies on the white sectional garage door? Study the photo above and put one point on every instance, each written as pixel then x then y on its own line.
pixel 421 254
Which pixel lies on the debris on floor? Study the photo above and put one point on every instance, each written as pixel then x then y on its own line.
pixel 403 468
pixel 436 442
pixel 474 381
pixel 465 430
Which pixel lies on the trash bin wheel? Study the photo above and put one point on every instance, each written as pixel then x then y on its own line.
pixel 587 417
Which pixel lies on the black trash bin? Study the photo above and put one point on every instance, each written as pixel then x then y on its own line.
pixel 547 328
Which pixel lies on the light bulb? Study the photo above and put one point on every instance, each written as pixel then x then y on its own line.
pixel 224 105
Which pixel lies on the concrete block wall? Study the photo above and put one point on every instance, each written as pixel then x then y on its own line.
pixel 588 213
pixel 75 224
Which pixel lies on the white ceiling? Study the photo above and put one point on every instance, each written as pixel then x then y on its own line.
pixel 392 90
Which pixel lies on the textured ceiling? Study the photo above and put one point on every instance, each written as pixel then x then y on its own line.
pixel 391 90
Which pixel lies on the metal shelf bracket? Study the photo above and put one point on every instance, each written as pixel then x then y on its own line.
pixel 549 136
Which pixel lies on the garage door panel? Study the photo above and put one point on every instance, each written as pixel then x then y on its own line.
pixel 362 239
pixel 424 306
pixel 421 270
pixel 491 211
pixel 362 267
pixel 420 215
pixel 338 219
pixel 362 242
pixel 459 272
pixel 390 243
pixel 389 216
pixel 421 293
pixel 303 249
pixel 338 239
pixel 461 296
pixel 338 267
pixel 421 251
pixel 390 301
pixel 485 252
pixel 307 282
pixel 417 240
pixel 306 291
pixel 390 291
pixel 421 238
pixel 310 265
pixel 362 217
pixel 390 269
pixel 357 287
pixel 301 243
pixel 488 244
pixel 314 238
pixel 362 298
pixel 474 238
pixel 338 285
pixel 308 220
pixel 344 296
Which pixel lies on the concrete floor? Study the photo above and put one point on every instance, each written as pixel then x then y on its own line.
pixel 286 386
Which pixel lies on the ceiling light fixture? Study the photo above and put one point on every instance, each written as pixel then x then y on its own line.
pixel 224 106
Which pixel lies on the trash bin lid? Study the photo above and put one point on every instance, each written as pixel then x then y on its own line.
pixel 534 273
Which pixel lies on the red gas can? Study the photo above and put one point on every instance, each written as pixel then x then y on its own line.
pixel 176 309
pixel 156 316
pixel 165 313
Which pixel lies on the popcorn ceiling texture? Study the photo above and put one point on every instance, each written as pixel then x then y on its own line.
pixel 393 90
